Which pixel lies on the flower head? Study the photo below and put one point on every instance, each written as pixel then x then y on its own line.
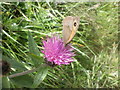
pixel 56 52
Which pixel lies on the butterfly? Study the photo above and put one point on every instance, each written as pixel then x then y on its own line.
pixel 70 26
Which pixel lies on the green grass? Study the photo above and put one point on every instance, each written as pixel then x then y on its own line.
pixel 96 64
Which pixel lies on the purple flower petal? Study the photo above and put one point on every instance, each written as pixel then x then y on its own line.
pixel 56 52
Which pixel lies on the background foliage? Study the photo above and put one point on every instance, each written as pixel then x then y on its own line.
pixel 95 43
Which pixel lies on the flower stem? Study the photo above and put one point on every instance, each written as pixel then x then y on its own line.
pixel 25 72
pixel 22 73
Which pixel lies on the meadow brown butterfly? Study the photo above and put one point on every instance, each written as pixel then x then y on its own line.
pixel 70 26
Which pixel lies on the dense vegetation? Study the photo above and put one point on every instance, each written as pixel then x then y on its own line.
pixel 95 43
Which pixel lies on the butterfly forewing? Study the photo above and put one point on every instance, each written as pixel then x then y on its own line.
pixel 70 26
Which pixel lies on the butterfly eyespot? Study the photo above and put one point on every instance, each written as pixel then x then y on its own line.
pixel 75 23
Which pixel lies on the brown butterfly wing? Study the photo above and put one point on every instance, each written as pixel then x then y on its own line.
pixel 74 27
pixel 70 26
pixel 66 34
pixel 67 28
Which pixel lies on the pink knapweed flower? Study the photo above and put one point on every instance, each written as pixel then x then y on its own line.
pixel 56 52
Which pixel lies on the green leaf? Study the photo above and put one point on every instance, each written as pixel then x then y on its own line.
pixel 5 82
pixel 33 49
pixel 14 63
pixel 40 76
pixel 35 57
pixel 23 81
